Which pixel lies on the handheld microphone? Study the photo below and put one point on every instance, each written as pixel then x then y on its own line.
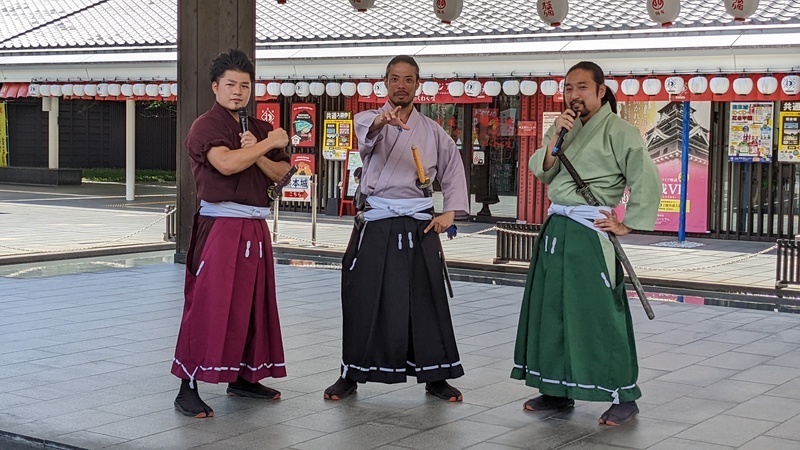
pixel 243 118
pixel 561 134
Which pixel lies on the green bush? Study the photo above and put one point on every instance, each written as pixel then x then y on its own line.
pixel 118 175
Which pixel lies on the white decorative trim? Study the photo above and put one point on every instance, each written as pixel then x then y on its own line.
pixel 391 370
pixel 614 392
pixel 223 369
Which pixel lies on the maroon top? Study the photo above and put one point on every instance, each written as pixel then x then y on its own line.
pixel 218 128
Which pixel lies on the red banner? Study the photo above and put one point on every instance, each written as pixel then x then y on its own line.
pixel 304 163
pixel 270 113
pixel 304 125
pixel 526 128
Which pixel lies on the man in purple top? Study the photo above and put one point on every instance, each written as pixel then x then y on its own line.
pixel 230 330
pixel 394 306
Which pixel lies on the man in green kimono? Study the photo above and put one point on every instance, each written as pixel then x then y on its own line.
pixel 575 338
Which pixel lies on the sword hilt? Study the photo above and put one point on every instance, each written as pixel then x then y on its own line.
pixel 422 180
pixel 274 191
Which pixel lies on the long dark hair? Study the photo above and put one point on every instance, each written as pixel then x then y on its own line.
pixel 402 59
pixel 597 76
pixel 233 59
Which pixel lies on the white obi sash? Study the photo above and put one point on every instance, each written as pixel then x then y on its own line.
pixel 234 210
pixel 385 208
pixel 582 214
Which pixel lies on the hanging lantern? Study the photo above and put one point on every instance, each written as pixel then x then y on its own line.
pixel 173 89
pixel 55 90
pixel 472 88
pixel 260 89
pixel 114 89
pixel 698 85
pixel 511 87
pixel 151 90
pixel 362 5
pixel 767 85
pixel 139 89
pixel 380 89
pixel 33 90
pixel 349 89
pixel 674 85
pixel 447 10
pixel 302 89
pixel 102 90
pixel 492 88
pixel 528 87
pixel 90 90
pixel 418 91
pixel 333 89
pixel 740 10
pixel 455 88
pixel 44 90
pixel 287 89
pixel 364 88
pixel 317 89
pixel 274 89
pixel 663 11
pixel 163 90
pixel 612 84
pixel 719 85
pixel 552 11
pixel 77 90
pixel 743 86
pixel 630 86
pixel 651 86
pixel 790 85
pixel 126 90
pixel 561 85
pixel 430 88
pixel 67 90
pixel 549 87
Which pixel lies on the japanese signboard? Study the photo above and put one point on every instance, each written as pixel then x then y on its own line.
pixel 299 187
pixel 270 113
pixel 353 172
pixel 789 136
pixel 338 137
pixel 750 132
pixel 303 132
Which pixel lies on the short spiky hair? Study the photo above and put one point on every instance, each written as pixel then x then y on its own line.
pixel 402 59
pixel 233 59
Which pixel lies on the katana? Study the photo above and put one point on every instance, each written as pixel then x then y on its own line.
pixel 274 191
pixel 584 190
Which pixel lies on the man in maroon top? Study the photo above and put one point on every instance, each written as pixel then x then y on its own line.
pixel 230 330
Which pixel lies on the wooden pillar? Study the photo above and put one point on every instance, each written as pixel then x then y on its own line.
pixel 205 29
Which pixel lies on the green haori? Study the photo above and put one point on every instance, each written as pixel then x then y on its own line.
pixel 575 337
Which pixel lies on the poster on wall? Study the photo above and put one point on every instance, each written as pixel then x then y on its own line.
pixel 750 132
pixel 270 113
pixel 299 187
pixel 3 136
pixel 508 119
pixel 661 125
pixel 338 138
pixel 548 119
pixel 353 172
pixel 303 132
pixel 789 136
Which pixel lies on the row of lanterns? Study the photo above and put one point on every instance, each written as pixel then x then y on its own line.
pixel 554 12
pixel 766 85
pixel 164 90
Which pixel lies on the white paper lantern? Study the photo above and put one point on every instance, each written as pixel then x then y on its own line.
pixel 139 89
pixel 274 89
pixel 362 5
pixel 740 10
pixel 261 89
pixel 349 89
pixel 78 90
pixel 364 88
pixel 674 85
pixel 380 89
pixel 651 86
pixel 33 90
pixel 549 87
pixel 447 10
pixel 472 88
pixel 302 89
pixel 44 90
pixel 511 87
pixel 173 89
pixel 287 89
pixel 55 90
pixel 163 90
pixel 333 89
pixel 790 85
pixel 719 85
pixel 317 89
pixel 114 89
pixel 455 88
pixel 743 86
pixel 552 11
pixel 90 89
pixel 767 85
pixel 102 90
pixel 126 90
pixel 612 84
pixel 151 90
pixel 630 86
pixel 430 88
pixel 698 85
pixel 663 11
pixel 528 87
pixel 492 88
pixel 67 90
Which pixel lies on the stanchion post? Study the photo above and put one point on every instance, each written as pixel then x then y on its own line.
pixel 275 207
pixel 314 210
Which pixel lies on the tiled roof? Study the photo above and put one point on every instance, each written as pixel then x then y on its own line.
pixel 47 24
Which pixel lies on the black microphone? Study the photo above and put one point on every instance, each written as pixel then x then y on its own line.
pixel 561 134
pixel 243 119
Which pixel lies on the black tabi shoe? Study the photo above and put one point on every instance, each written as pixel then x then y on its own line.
pixel 341 389
pixel 548 403
pixel 619 414
pixel 443 391
pixel 244 388
pixel 189 403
